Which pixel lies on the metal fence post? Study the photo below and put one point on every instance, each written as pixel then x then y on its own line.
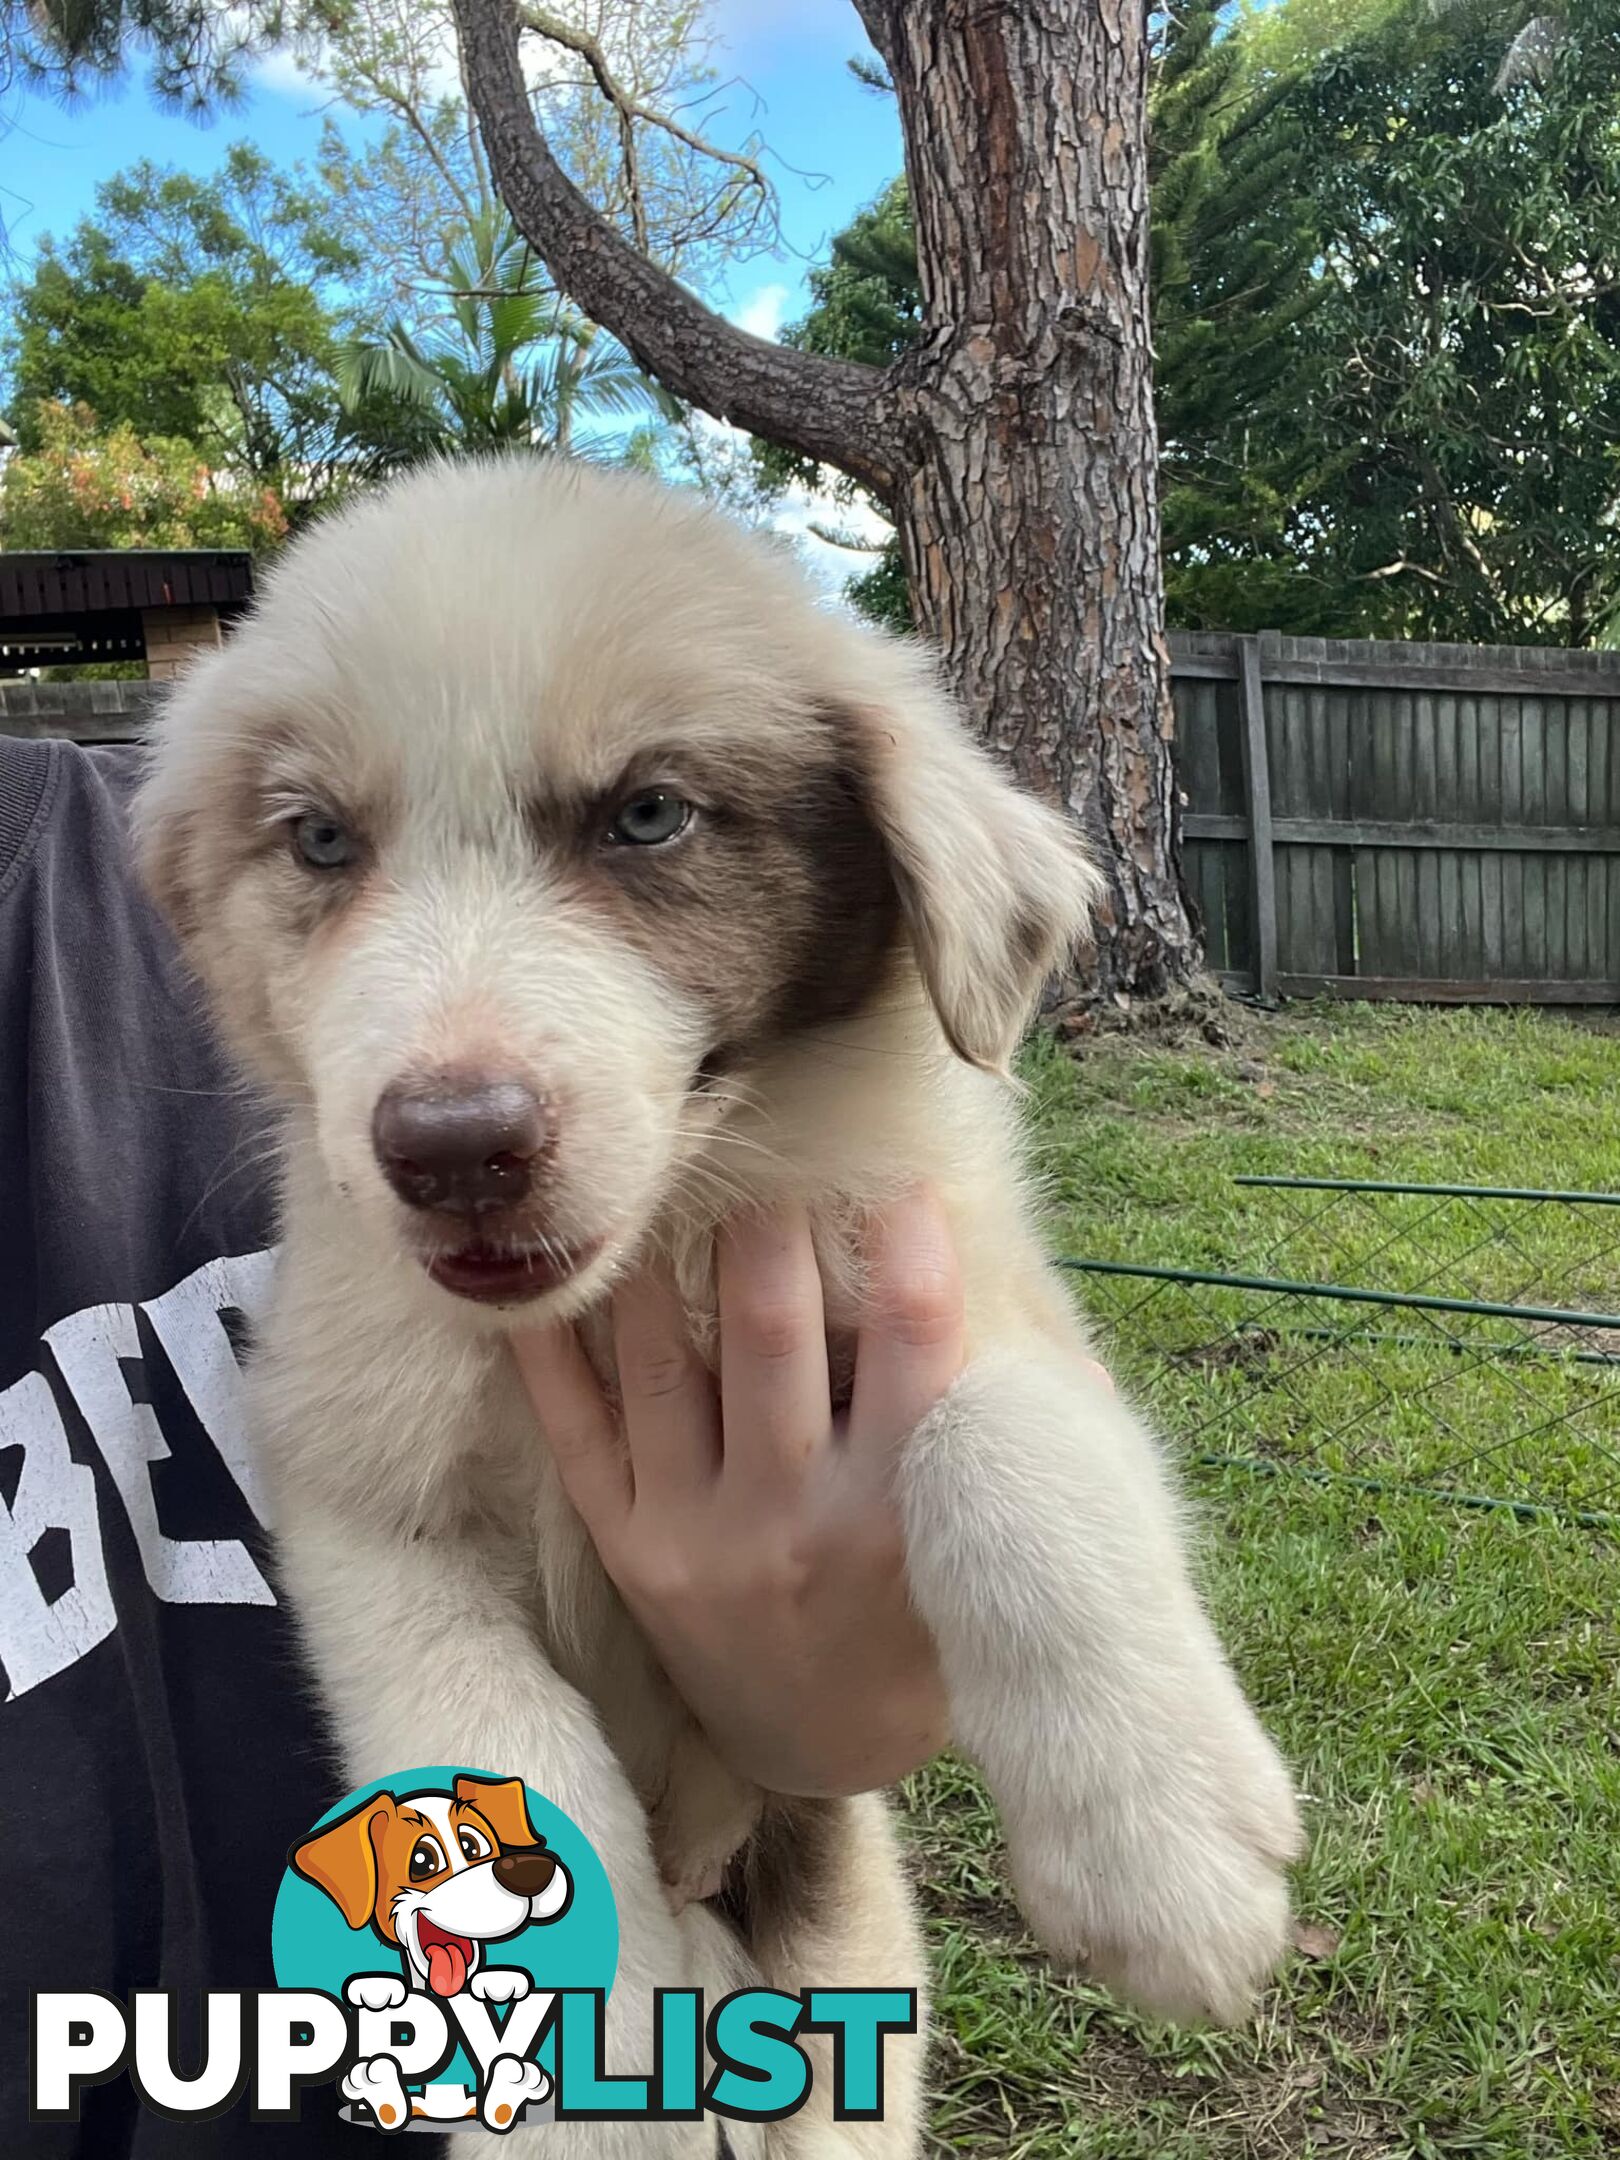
pixel 1257 795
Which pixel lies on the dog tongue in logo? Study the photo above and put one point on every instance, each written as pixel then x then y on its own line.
pixel 448 1957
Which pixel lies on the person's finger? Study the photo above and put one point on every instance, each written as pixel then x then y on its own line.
pixel 577 1425
pixel 670 1418
pixel 912 1343
pixel 776 1401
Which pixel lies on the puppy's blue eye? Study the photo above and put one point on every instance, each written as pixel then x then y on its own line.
pixel 324 842
pixel 649 819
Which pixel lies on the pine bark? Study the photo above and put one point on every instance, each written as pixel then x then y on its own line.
pixel 1015 445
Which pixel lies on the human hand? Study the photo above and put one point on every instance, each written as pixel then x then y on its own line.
pixel 753 1533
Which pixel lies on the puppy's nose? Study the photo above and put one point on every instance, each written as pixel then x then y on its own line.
pixel 525 1873
pixel 466 1148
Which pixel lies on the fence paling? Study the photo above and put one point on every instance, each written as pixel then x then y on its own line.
pixel 1423 822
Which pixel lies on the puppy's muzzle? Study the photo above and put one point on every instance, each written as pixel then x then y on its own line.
pixel 464 1147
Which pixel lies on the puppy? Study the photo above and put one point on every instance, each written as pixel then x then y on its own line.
pixel 573 880
pixel 438 1875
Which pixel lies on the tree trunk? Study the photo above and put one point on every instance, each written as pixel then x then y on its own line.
pixel 1027 505
pixel 1015 445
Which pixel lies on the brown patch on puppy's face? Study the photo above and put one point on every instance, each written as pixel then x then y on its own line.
pixel 774 909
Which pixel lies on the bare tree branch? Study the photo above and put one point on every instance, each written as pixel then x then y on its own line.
pixel 831 410
pixel 630 110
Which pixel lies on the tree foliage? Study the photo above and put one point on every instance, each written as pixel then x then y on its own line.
pixel 83 484
pixel 1233 283
pixel 509 365
pixel 197 50
pixel 1466 358
pixel 206 311
pixel 312 330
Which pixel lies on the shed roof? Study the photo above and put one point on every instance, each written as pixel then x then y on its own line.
pixel 37 587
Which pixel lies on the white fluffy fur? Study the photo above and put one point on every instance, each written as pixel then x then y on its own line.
pixel 471 641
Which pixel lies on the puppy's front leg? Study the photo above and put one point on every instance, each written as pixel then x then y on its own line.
pixel 425 1655
pixel 1149 1820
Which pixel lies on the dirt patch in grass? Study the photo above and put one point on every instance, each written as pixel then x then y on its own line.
pixel 1308 2095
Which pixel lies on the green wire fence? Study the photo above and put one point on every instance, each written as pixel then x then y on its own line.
pixel 1458 1340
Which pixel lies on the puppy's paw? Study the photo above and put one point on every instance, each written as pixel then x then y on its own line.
pixel 513 2083
pixel 705 1814
pixel 377 2085
pixel 376 1991
pixel 1175 1894
pixel 500 1984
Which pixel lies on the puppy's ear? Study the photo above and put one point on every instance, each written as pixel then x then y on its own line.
pixel 164 828
pixel 195 793
pixel 501 1803
pixel 997 889
pixel 342 1858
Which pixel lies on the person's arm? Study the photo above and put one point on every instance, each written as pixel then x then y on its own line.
pixel 753 1533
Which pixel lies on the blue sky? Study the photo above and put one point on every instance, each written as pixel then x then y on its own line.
pixel 833 143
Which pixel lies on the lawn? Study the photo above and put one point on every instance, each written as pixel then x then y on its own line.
pixel 1443 1677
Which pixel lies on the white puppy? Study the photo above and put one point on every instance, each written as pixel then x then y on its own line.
pixel 572 878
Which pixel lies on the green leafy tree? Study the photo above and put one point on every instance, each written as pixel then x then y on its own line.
pixel 1234 281
pixel 84 485
pixel 1386 244
pixel 508 365
pixel 208 311
pixel 197 51
pixel 1465 178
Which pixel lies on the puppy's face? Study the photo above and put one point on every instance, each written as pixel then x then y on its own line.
pixel 530 811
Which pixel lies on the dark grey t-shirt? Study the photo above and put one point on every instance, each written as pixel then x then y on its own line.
pixel 159 1748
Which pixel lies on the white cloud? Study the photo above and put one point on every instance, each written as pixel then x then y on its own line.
pixel 831 567
pixel 763 312
pixel 279 73
pixel 793 517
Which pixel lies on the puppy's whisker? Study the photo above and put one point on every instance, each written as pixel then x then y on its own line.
pixel 255 1154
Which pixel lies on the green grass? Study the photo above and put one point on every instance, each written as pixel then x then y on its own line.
pixel 1443 1679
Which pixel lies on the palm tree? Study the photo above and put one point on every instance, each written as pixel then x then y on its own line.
pixel 511 365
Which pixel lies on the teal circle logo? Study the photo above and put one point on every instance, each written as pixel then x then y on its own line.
pixel 446 1890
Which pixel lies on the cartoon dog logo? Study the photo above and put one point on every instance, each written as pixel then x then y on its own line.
pixel 438 1876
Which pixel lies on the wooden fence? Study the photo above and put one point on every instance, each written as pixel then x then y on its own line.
pixel 1365 819
pixel 86 712
pixel 1409 821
